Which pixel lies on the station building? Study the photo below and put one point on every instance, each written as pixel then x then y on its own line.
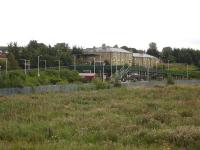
pixel 145 60
pixel 114 56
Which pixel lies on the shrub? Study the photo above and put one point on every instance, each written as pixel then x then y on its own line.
pixel 99 84
pixel 163 117
pixel 31 81
pixel 14 79
pixel 186 114
pixel 32 73
pixel 43 79
pixel 170 80
pixel 69 75
pixel 184 136
pixel 117 83
pixel 55 80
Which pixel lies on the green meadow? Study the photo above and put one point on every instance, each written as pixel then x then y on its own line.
pixel 163 117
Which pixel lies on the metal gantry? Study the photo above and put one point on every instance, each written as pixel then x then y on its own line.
pixel 26 62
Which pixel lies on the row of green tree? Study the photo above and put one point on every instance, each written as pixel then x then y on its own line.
pixel 60 51
pixel 173 55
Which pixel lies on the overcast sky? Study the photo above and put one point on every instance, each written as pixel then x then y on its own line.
pixel 89 23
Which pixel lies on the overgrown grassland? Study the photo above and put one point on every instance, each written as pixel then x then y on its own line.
pixel 157 118
pixel 193 71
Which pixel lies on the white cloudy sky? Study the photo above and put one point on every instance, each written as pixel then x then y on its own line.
pixel 89 23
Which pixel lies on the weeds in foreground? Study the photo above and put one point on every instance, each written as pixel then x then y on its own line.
pixel 119 118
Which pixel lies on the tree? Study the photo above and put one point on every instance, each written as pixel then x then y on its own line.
pixel 125 47
pixel 115 46
pixel 63 52
pixel 14 49
pixel 104 46
pixel 167 54
pixel 133 50
pixel 77 51
pixel 153 50
pixel 12 63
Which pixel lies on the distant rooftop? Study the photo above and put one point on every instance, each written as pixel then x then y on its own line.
pixel 142 55
pixel 106 49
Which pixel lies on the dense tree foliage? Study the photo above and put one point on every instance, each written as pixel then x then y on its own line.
pixel 133 50
pixel 60 51
pixel 153 50
pixel 183 55
pixel 167 54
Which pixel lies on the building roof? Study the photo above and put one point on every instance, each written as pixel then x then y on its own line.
pixel 143 55
pixel 106 49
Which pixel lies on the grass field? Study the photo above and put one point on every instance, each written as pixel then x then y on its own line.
pixel 193 71
pixel 152 118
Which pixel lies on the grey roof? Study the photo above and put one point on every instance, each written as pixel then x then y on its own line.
pixel 143 55
pixel 106 49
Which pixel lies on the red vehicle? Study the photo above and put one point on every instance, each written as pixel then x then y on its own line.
pixel 87 76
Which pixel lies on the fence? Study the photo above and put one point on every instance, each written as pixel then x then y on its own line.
pixel 159 83
pixel 46 89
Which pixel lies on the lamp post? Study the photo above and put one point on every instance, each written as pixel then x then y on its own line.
pixel 139 71
pixel 25 64
pixel 168 65
pixel 148 73
pixel 38 66
pixel 148 70
pixel 6 65
pixel 100 65
pixel 100 59
pixel 111 68
pixel 45 64
pixel 74 62
pixel 29 64
pixel 115 65
pixel 58 64
pixel 187 72
pixel 94 65
pixel 103 71
pixel 156 67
